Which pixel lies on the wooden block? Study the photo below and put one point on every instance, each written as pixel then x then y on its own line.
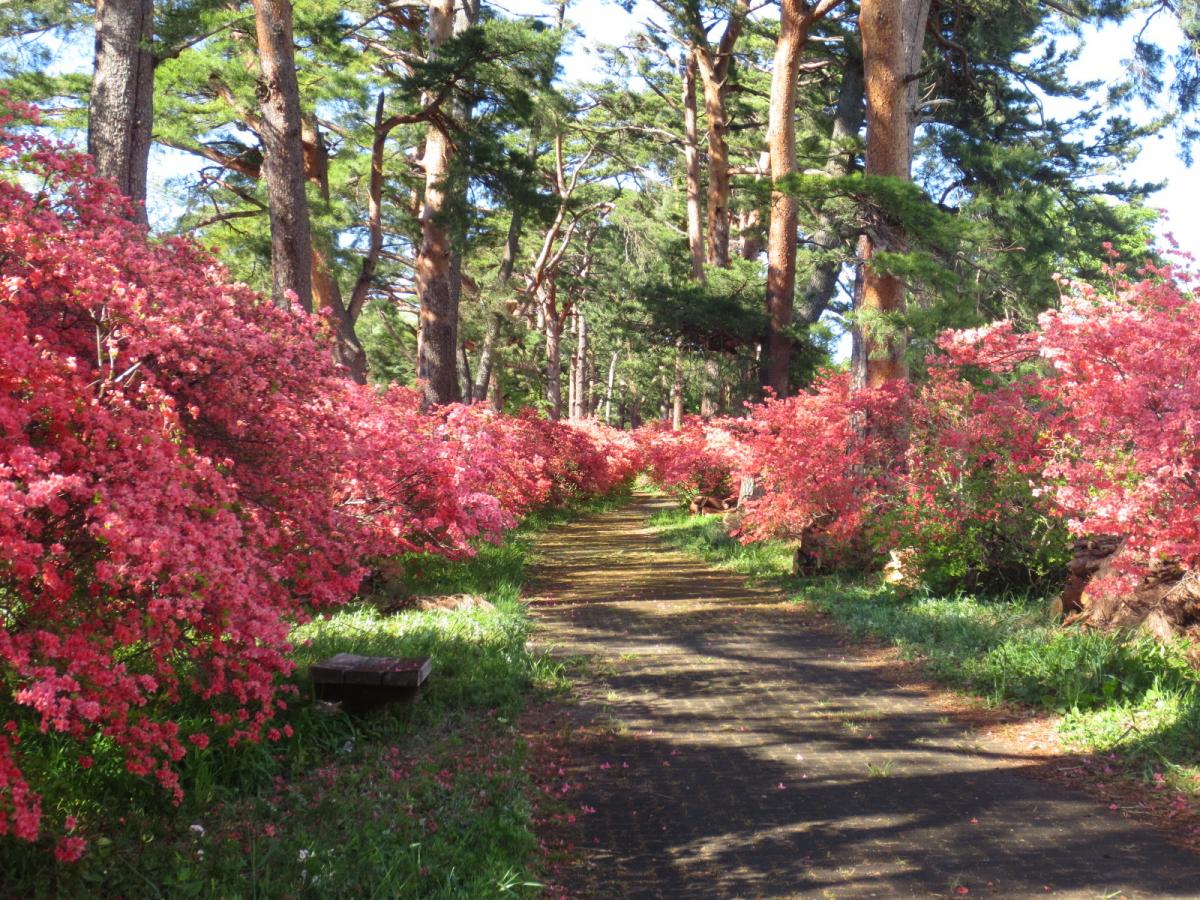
pixel 408 672
pixel 379 671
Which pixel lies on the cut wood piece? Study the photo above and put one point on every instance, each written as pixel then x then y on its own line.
pixel 362 681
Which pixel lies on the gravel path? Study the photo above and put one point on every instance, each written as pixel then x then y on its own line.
pixel 729 749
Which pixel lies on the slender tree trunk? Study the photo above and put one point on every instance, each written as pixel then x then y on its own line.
pixel 816 292
pixel 893 34
pixel 283 154
pixel 327 293
pixel 553 365
pixel 691 152
pixel 437 367
pixel 464 371
pixel 573 373
pixel 497 391
pixel 608 395
pixel 487 356
pixel 121 107
pixel 491 336
pixel 796 18
pixel 580 409
pixel 710 397
pixel 677 389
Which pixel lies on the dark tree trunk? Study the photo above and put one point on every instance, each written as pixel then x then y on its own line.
pixel 283 154
pixel 487 357
pixel 491 336
pixel 710 399
pixel 121 108
pixel 437 366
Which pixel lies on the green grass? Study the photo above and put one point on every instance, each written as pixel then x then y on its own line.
pixel 424 799
pixel 1121 694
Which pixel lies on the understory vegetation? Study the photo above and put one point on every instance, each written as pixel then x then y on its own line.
pixel 1122 693
pixel 431 798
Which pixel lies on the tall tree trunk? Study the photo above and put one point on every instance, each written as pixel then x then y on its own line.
pixel 495 322
pixel 437 367
pixel 796 18
pixel 714 68
pixel 487 356
pixel 814 295
pixel 608 394
pixel 580 377
pixel 121 108
pixel 677 389
pixel 691 152
pixel 893 34
pixel 573 372
pixel 553 364
pixel 327 293
pixel 283 154
pixel 464 371
pixel 710 398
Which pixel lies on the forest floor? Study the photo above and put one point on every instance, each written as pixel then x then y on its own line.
pixel 724 741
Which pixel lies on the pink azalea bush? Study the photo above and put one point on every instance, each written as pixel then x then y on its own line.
pixel 185 474
pixel 1085 426
pixel 969 502
pixel 1122 372
pixel 818 468
pixel 700 459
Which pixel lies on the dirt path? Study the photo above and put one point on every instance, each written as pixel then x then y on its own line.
pixel 729 750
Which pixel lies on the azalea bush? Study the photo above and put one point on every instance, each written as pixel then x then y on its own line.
pixel 824 461
pixel 700 459
pixel 185 474
pixel 970 505
pixel 1107 434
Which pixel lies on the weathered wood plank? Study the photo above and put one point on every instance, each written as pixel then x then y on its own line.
pixel 362 681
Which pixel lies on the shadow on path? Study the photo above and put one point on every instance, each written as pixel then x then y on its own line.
pixel 730 750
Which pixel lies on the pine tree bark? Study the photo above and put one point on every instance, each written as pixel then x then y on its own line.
pixel 816 292
pixel 580 410
pixel 553 364
pixel 893 34
pixel 121 107
pixel 327 293
pixel 608 395
pixel 437 369
pixel 677 389
pixel 714 69
pixel 796 19
pixel 710 399
pixel 283 154
pixel 691 154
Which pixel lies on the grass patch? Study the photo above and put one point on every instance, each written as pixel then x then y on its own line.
pixel 1117 693
pixel 426 799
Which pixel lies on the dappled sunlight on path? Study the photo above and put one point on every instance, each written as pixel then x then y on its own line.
pixel 731 749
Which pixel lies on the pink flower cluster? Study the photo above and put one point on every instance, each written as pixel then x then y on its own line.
pixel 185 473
pixel 1091 421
